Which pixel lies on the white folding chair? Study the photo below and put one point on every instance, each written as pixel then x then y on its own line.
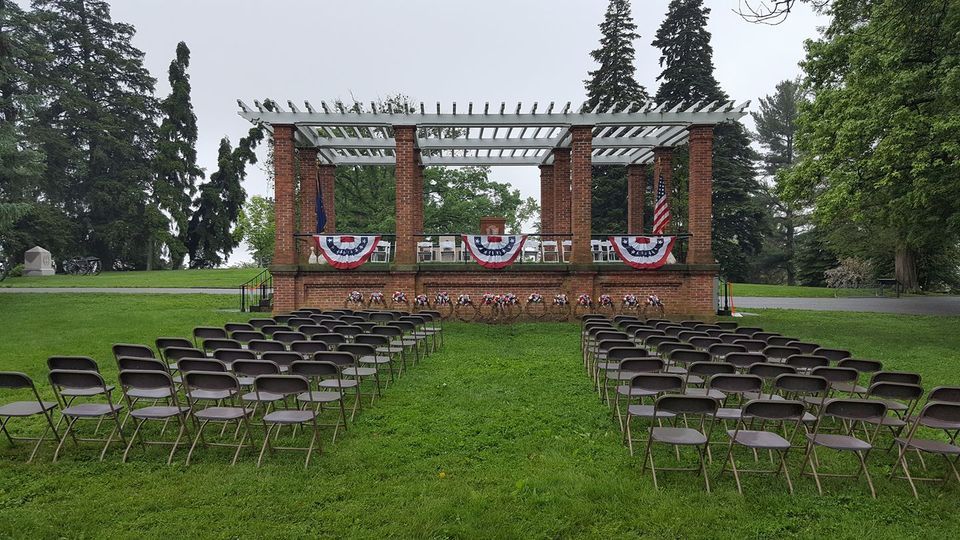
pixel 549 251
pixel 425 251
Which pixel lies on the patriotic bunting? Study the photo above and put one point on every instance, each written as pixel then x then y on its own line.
pixel 494 251
pixel 346 252
pixel 643 251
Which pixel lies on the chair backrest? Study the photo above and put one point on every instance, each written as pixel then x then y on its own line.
pixel 947 394
pixel 835 355
pixel 748 330
pixel 654 342
pixel 744 359
pixel 619 319
pixel 231 327
pixel 281 358
pixel 703 327
pixel 807 361
pixel 175 354
pixel 781 340
pixel 348 329
pixel 861 365
pixel 752 345
pixel 211 381
pixel 61 379
pixel 764 336
pixel 905 377
pixel 896 391
pixel 288 337
pixel 371 339
pixel 297 322
pixel 246 336
pixel 794 384
pixel 605 345
pixel 769 371
pixel 940 415
pixel 709 369
pixel 132 350
pixel 283 318
pixel 805 346
pixel 657 382
pixel 662 324
pixel 271 329
pixel 282 385
pixel 689 356
pixel 320 317
pixel 721 350
pixel 716 332
pixel 645 333
pixel 262 346
pixel 261 322
pixel 382 316
pixel 72 363
pixel 388 331
pixel 729 337
pixel 836 374
pixel 164 343
pixel 201 364
pixel 14 380
pixel 315 369
pixel 729 383
pixel 340 358
pixel 855 409
pixel 704 342
pixel 221 343
pixel 773 409
pixel 603 334
pixel 135 379
pixel 307 348
pixel 692 405
pixel 201 333
pixel 331 339
pixel 352 319
pixel 622 353
pixel 407 326
pixel 311 330
pixel 675 330
pixel 780 352
pixel 359 350
pixel 691 323
pixel 125 363
pixel 228 356
pixel 253 368
pixel 648 364
pixel 687 335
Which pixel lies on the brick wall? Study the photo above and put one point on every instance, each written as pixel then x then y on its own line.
pixel 701 195
pixel 406 194
pixel 547 218
pixel 636 189
pixel 561 190
pixel 581 173
pixel 327 174
pixel 284 194
pixel 307 158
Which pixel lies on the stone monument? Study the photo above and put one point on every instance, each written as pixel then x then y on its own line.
pixel 37 262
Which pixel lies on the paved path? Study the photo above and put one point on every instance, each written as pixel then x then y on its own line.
pixel 908 305
pixel 120 290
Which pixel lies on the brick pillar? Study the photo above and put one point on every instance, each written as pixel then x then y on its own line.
pixel 700 221
pixel 561 191
pixel 284 180
pixel 581 172
pixel 547 217
pixel 418 194
pixel 663 165
pixel 406 194
pixel 308 190
pixel 636 189
pixel 328 174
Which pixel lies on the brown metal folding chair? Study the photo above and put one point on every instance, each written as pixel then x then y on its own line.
pixel 937 415
pixel 626 373
pixel 318 373
pixel 266 387
pixel 68 385
pixel 780 412
pixel 849 412
pixel 700 407
pixel 138 383
pixel 13 380
pixel 222 389
pixel 651 385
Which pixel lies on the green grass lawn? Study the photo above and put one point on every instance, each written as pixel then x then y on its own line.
pixel 499 435
pixel 796 291
pixel 213 278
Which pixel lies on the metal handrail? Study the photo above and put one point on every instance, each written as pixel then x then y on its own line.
pixel 258 287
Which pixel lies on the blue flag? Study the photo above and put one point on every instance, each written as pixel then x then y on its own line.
pixel 321 213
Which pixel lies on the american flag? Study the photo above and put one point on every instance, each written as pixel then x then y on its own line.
pixel 661 210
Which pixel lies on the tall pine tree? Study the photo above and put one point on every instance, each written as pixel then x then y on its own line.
pixel 687 77
pixel 613 83
pixel 96 127
pixel 176 159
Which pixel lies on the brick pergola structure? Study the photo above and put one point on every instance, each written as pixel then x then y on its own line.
pixel 309 143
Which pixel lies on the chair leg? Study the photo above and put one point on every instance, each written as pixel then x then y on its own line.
pixel 266 443
pixel 866 473
pixel 313 441
pixel 68 431
pixel 786 471
pixel 703 465
pixel 808 458
pixel 136 432
pixel 176 442
pixel 196 439
pixel 248 434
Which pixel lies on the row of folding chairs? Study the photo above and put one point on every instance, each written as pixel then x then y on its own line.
pixel 771 406
pixel 283 386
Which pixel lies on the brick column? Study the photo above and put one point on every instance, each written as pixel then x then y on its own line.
pixel 418 194
pixel 561 191
pixel 636 189
pixel 700 221
pixel 308 190
pixel 405 249
pixel 663 166
pixel 547 217
pixel 284 180
pixel 581 172
pixel 328 174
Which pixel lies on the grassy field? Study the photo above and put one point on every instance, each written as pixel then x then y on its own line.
pixel 796 291
pixel 213 278
pixel 499 436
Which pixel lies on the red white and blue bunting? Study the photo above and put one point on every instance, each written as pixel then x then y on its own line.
pixel 643 252
pixel 494 251
pixel 346 252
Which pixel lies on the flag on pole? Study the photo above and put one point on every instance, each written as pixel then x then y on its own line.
pixel 661 210
pixel 321 213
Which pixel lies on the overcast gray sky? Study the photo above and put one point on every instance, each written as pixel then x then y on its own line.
pixel 431 50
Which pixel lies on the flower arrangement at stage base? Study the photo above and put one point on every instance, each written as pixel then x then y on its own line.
pixel 629 303
pixel 535 307
pixel 355 297
pixel 654 304
pixel 606 301
pixel 442 303
pixel 420 300
pixel 560 307
pixel 535 298
pixel 584 300
pixel 561 300
pixel 376 298
pixel 443 299
pixel 399 297
pixel 466 310
pixel 488 299
pixel 510 299
pixel 464 300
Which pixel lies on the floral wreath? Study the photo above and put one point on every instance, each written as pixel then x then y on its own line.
pixel 376 297
pixel 464 300
pixel 535 298
pixel 605 300
pixel 442 299
pixel 584 300
pixel 630 300
pixel 399 297
pixel 489 299
pixel 654 300
pixel 560 300
pixel 356 297
pixel 510 299
pixel 420 300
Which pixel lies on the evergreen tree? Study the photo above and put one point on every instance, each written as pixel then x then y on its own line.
pixel 613 84
pixel 776 124
pixel 210 235
pixel 96 128
pixel 176 160
pixel 687 77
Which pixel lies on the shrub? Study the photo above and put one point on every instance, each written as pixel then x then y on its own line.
pixel 853 273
